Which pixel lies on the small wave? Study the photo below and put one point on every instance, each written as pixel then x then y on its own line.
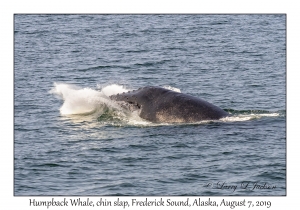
pixel 245 115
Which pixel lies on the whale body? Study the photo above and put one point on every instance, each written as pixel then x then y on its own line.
pixel 158 105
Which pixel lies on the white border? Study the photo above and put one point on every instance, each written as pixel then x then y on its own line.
pixel 8 8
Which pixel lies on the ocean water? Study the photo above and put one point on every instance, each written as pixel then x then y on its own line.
pixel 71 139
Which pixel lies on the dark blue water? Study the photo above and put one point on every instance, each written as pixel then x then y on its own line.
pixel 68 139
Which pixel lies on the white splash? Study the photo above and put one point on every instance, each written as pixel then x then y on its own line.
pixel 79 100
pixel 172 88
pixel 113 89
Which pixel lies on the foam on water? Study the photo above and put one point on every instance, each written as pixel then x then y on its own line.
pixel 246 117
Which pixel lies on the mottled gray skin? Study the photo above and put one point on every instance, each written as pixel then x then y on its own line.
pixel 157 104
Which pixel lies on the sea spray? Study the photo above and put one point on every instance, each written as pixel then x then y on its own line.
pixel 84 100
pixel 79 102
pixel 172 88
pixel 113 89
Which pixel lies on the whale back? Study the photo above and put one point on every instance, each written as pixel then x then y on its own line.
pixel 158 104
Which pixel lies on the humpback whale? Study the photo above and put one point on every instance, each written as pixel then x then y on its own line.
pixel 158 105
